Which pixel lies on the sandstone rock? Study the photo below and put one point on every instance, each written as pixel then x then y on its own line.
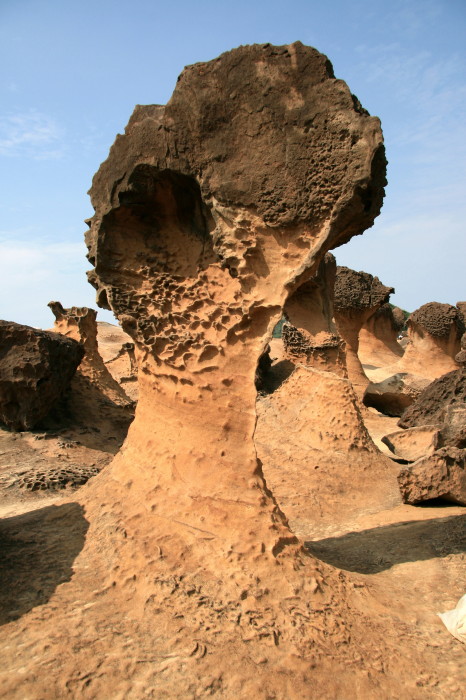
pixel 209 213
pixel 460 357
pixel 434 333
pixel 36 368
pixel 395 393
pixel 358 296
pixel 80 324
pixel 206 220
pixel 431 406
pixel 310 336
pixel 413 443
pixel 327 447
pixel 378 338
pixel 439 475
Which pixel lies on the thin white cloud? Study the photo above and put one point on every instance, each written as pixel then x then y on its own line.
pixel 31 134
pixel 34 272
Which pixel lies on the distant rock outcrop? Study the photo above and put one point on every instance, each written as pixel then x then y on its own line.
pixel 36 367
pixel 80 323
pixel 327 446
pixel 434 333
pixel 358 295
pixel 378 338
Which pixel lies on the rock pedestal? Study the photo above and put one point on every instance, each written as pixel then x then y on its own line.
pixel 358 295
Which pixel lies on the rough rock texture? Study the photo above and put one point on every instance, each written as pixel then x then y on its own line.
pixel 117 351
pixel 313 420
pixel 80 324
pixel 392 395
pixel 378 338
pixel 460 357
pixel 358 296
pixel 413 443
pixel 434 332
pixel 431 406
pixel 36 367
pixel 439 475
pixel 310 336
pixel 209 213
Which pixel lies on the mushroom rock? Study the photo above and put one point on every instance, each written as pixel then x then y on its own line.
pixel 36 368
pixel 378 338
pixel 80 324
pixel 327 449
pixel 358 295
pixel 434 333
pixel 209 213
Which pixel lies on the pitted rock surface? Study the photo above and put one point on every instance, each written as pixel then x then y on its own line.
pixel 36 367
pixel 439 475
pixel 431 406
pixel 438 319
pixel 359 290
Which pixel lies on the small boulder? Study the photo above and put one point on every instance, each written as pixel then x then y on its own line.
pixel 36 368
pixel 439 475
pixel 414 443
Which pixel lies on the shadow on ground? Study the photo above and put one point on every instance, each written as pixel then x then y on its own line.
pixel 37 551
pixel 378 549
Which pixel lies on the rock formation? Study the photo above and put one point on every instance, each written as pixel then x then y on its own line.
pixel 209 213
pixel 413 443
pixel 36 367
pixel 358 296
pixel 327 448
pixel 439 475
pixel 310 337
pixel 378 338
pixel 80 324
pixel 434 333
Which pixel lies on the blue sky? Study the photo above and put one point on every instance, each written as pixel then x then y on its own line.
pixel 71 73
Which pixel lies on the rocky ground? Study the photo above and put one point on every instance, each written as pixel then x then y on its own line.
pixel 405 563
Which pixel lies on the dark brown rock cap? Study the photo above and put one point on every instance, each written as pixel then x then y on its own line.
pixel 359 290
pixel 437 319
pixel 262 127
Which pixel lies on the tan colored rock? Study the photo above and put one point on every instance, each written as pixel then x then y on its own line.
pixel 80 324
pixel 434 333
pixel 392 395
pixel 358 296
pixel 413 443
pixel 310 337
pixel 209 213
pixel 378 338
pixel 118 352
pixel 439 475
